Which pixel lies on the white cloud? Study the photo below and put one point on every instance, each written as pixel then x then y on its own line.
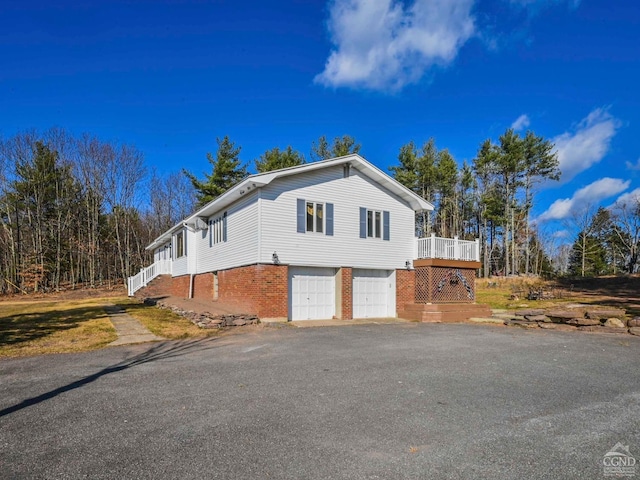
pixel 585 197
pixel 629 199
pixel 383 45
pixel 561 234
pixel 521 123
pixel 633 166
pixel 587 145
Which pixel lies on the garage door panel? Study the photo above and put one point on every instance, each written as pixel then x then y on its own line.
pixel 311 293
pixel 372 291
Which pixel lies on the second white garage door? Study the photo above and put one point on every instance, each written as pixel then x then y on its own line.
pixel 312 293
pixel 373 293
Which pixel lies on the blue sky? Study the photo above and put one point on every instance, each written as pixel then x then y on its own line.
pixel 171 76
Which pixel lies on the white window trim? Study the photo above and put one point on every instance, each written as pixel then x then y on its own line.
pixel 315 217
pixel 376 227
pixel 181 234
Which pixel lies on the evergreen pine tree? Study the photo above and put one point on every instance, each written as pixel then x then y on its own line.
pixel 227 170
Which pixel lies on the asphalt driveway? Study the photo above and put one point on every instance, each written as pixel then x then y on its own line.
pixel 364 401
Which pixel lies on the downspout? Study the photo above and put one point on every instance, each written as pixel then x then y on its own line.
pixel 191 285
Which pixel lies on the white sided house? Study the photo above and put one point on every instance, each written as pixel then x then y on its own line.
pixel 330 239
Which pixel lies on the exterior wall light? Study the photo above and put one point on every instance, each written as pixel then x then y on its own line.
pixel 407 264
pixel 275 258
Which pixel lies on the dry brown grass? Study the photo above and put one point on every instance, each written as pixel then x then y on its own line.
pixel 163 322
pixel 510 293
pixel 38 327
pixel 41 327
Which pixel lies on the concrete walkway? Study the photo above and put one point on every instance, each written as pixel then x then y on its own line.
pixel 129 329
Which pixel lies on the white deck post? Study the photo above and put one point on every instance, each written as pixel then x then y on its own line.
pixel 477 252
pixel 432 249
pixel 456 248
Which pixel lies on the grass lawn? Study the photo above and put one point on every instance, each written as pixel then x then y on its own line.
pixel 37 327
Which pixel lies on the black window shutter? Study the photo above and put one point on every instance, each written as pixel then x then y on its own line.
pixel 184 241
pixel 385 225
pixel 363 222
pixel 301 216
pixel 329 214
pixel 210 233
pixel 224 227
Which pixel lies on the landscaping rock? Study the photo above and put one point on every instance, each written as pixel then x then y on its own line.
pixel 615 323
pixel 603 314
pixel 557 326
pixel 634 322
pixel 530 312
pixel 521 323
pixel 563 316
pixel 208 320
pixel 584 322
pixel 602 329
pixel 538 318
pixel 635 331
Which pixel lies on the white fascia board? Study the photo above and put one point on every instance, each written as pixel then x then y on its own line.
pixel 416 202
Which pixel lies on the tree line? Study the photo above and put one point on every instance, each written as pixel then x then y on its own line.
pixel 79 211
pixel 73 210
pixel 607 241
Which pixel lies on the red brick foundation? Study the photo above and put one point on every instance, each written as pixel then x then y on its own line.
pixel 346 312
pixel 180 286
pixel 264 290
pixel 203 286
pixel 405 288
pixel 259 289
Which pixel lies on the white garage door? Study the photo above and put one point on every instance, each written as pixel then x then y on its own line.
pixel 312 293
pixel 373 294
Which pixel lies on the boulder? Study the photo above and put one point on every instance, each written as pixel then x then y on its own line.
pixel 615 323
pixel 603 314
pixel 584 322
pixel 239 322
pixel 634 331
